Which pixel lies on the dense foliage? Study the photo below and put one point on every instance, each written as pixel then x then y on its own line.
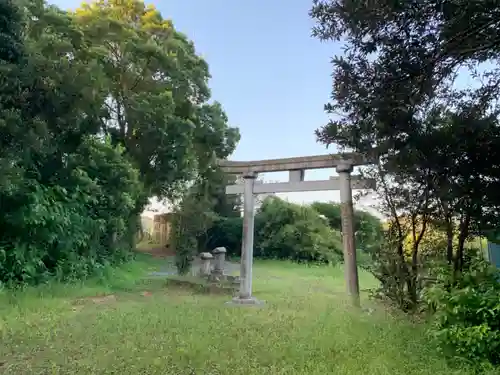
pixel 158 109
pixel 396 94
pixel 291 231
pixel 202 206
pixel 283 230
pixel 467 312
pixel 368 229
pixel 98 109
pixel 438 145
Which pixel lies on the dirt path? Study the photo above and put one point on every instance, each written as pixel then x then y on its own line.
pixel 158 252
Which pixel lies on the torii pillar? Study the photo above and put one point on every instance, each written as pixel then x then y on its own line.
pixel 245 292
pixel 348 238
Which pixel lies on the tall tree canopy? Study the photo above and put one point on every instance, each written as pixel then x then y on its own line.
pixel 156 93
pixel 395 89
pixel 398 56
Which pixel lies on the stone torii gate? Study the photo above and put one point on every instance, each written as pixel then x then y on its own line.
pixel 343 163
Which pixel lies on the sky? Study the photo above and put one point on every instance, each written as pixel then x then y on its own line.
pixel 271 76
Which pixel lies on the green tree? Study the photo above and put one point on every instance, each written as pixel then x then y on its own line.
pixel 224 205
pixel 155 89
pixel 368 228
pixel 438 146
pixel 193 218
pixel 155 105
pixel 10 32
pixel 11 60
pixel 99 109
pixel 394 89
pixel 68 196
pixel 290 231
pixel 200 215
pixel 332 213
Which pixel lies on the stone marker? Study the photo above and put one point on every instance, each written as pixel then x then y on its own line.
pixel 206 266
pixel 220 260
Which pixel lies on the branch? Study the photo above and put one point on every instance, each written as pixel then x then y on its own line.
pixel 136 82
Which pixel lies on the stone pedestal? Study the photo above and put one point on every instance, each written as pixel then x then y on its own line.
pixel 251 301
pixel 219 254
pixel 206 266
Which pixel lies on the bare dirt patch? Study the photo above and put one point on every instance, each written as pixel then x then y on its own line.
pixel 99 300
pixel 109 299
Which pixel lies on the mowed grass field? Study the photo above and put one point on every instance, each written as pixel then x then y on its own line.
pixel 130 325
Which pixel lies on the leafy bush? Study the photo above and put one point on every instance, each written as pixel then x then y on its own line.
pixel 393 274
pixel 226 232
pixel 283 230
pixel 368 228
pixel 369 231
pixel 467 312
pixel 73 227
pixel 184 242
pixel 404 267
pixel 290 231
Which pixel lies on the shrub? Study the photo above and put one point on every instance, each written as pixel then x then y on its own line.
pixel 368 228
pixel 283 230
pixel 72 227
pixel 226 232
pixel 466 320
pixel 392 272
pixel 192 218
pixel 369 231
pixel 290 231
pixel 402 268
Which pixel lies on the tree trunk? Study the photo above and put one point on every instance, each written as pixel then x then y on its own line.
pixel 449 243
pixel 413 277
pixel 413 292
pixel 462 237
pixel 449 233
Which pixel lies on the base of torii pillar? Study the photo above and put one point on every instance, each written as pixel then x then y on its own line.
pixel 252 301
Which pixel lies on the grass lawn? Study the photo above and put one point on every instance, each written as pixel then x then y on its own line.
pixel 306 327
